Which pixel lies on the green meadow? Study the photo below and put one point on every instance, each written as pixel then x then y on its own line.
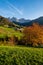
pixel 9 32
pixel 16 55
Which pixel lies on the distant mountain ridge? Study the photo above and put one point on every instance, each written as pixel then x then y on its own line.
pixel 27 22
pixel 38 20
pixel 22 22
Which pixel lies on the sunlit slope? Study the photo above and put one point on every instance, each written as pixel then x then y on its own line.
pixel 9 32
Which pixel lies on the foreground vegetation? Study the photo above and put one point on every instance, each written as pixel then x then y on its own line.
pixel 20 56
pixel 12 35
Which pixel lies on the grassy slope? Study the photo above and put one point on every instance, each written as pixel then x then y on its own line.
pixel 20 56
pixel 9 32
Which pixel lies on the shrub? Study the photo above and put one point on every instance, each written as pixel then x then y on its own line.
pixel 33 35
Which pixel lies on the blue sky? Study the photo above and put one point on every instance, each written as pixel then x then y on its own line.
pixel 29 9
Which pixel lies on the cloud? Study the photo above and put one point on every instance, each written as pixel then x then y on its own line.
pixel 6 12
pixel 11 10
pixel 11 6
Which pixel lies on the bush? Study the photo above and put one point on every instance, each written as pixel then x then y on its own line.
pixel 9 40
pixel 33 35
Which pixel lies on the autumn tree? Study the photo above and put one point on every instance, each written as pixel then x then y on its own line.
pixel 33 35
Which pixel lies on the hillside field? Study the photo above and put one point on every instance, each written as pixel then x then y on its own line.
pixel 16 55
pixel 9 32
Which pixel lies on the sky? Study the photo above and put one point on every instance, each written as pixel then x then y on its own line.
pixel 29 9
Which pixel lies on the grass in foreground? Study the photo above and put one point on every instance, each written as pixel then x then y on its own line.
pixel 20 55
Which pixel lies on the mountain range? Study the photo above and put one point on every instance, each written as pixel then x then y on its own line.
pixel 21 22
pixel 27 22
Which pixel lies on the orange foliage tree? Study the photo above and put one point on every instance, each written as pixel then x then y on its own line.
pixel 33 35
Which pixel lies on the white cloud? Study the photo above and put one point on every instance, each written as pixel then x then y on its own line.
pixel 11 6
pixel 11 10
